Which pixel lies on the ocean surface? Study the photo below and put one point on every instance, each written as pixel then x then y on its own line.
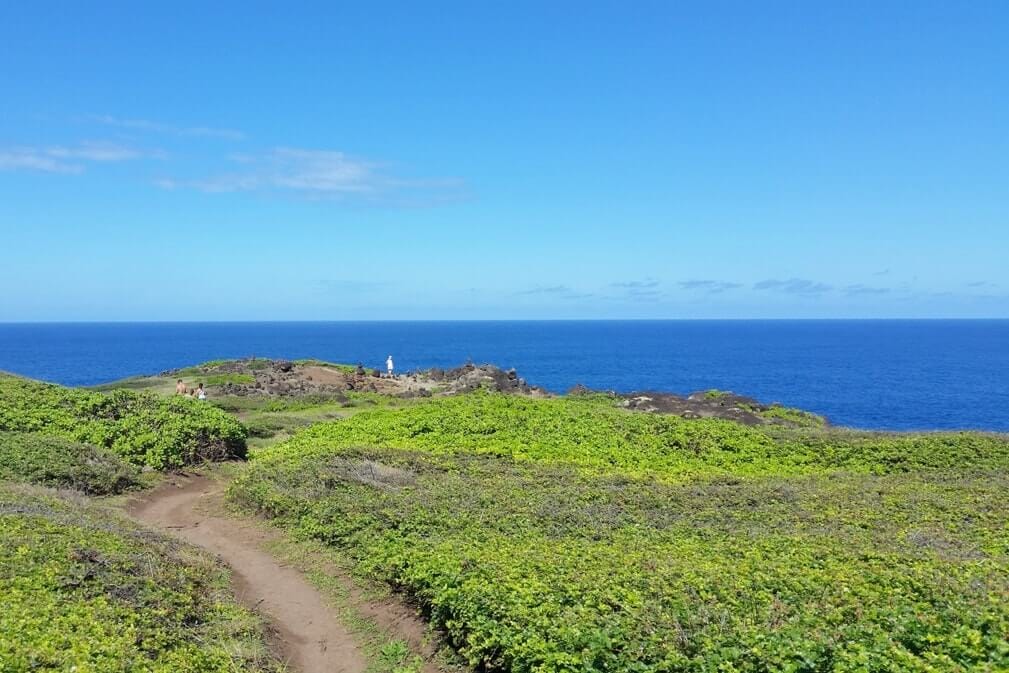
pixel 868 374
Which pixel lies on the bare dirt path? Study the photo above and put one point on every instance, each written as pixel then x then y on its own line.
pixel 308 633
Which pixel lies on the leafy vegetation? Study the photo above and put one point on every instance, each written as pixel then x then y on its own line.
pixel 562 535
pixel 61 463
pixel 84 590
pixel 270 419
pixel 796 417
pixel 141 427
pixel 602 438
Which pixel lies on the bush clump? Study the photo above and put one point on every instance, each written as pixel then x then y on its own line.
pixel 141 427
pixel 62 463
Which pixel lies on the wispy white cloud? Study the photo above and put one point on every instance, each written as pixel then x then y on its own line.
pixel 710 286
pixel 320 174
pixel 860 289
pixel 33 160
pixel 793 286
pixel 557 293
pixel 546 289
pixel 66 158
pixel 158 127
pixel 645 284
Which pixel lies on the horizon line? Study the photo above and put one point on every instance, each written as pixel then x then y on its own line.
pixel 492 320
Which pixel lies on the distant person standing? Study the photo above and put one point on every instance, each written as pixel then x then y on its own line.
pixel 389 366
pixel 201 394
pixel 180 388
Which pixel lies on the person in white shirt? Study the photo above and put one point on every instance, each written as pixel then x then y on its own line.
pixel 388 365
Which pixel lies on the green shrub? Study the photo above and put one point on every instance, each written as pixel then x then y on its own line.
pixel 140 427
pixel 85 590
pixel 553 535
pixel 796 417
pixel 61 463
pixel 599 437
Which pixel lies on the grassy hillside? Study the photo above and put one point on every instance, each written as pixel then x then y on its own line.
pixel 142 428
pixel 593 434
pixel 84 590
pixel 565 535
pixel 61 463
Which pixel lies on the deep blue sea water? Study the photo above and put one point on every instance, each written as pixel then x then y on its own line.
pixel 870 374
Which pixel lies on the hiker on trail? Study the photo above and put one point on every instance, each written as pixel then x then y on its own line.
pixel 389 366
pixel 201 394
pixel 180 388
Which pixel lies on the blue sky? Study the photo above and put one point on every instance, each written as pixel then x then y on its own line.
pixel 504 160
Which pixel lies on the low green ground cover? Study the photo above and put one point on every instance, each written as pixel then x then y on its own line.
pixel 562 535
pixel 597 436
pixel 796 417
pixel 270 419
pixel 141 427
pixel 83 590
pixel 228 377
pixel 62 463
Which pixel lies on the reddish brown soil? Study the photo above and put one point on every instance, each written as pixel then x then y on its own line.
pixel 308 635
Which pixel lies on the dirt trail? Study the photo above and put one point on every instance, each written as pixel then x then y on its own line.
pixel 309 635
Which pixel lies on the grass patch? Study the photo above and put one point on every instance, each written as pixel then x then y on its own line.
pixel 147 383
pixel 85 590
pixel 221 379
pixel 343 367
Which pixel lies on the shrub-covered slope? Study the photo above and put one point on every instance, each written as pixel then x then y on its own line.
pixel 593 434
pixel 140 427
pixel 564 535
pixel 61 463
pixel 81 589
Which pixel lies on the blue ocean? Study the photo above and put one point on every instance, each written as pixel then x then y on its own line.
pixel 896 375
